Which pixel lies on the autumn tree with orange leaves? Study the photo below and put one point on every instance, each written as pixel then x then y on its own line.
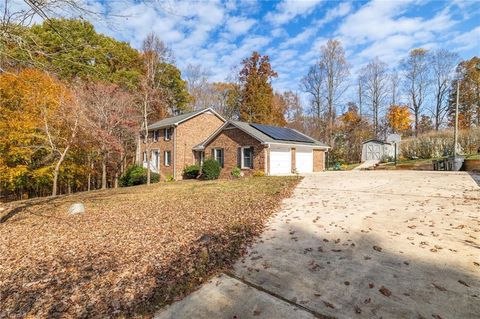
pixel 39 122
pixel 257 98
pixel 399 118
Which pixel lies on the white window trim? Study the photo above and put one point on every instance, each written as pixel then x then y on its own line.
pixel 242 164
pixel 166 131
pixel 215 155
pixel 156 165
pixel 155 135
pixel 165 158
pixel 145 157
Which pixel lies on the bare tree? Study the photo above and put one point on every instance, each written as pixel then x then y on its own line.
pixel 360 96
pixel 294 111
pixel 109 110
pixel 226 99
pixel 313 84
pixel 394 87
pixel 374 77
pixel 417 80
pixel 155 55
pixel 333 59
pixel 442 63
pixel 198 86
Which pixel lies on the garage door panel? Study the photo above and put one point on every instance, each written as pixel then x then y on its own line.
pixel 280 161
pixel 304 161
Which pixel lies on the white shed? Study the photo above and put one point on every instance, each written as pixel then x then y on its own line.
pixel 376 150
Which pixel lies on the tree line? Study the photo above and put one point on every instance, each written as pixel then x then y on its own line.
pixel 414 97
pixel 74 103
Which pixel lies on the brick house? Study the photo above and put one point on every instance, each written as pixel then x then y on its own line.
pixel 253 147
pixel 172 141
pixel 188 139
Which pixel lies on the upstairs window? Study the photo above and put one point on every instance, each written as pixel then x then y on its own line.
pixel 218 155
pixel 144 157
pixel 167 133
pixel 247 157
pixel 155 135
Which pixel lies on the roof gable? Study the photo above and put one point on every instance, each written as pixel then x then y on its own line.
pixel 251 130
pixel 176 120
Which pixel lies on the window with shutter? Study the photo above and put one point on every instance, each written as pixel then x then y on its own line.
pixel 167 133
pixel 168 158
pixel 218 155
pixel 247 157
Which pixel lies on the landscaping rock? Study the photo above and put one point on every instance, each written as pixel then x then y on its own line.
pixel 77 208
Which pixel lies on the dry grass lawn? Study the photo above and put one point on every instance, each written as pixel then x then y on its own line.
pixel 134 249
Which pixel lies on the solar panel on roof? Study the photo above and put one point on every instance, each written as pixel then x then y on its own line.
pixel 282 134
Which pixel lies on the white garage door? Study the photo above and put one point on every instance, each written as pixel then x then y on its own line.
pixel 304 160
pixel 280 161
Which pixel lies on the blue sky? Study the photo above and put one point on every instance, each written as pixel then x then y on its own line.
pixel 219 34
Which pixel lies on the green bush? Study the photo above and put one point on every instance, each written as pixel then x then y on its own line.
pixel 191 172
pixel 236 172
pixel 137 175
pixel 211 169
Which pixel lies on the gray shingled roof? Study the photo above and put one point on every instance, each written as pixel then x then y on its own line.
pixel 247 128
pixel 176 119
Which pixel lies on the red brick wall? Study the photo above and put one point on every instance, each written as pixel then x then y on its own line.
pixel 187 135
pixel 318 160
pixel 191 133
pixel 230 140
pixel 162 146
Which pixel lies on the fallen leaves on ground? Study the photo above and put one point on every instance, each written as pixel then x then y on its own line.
pixel 133 250
pixel 385 291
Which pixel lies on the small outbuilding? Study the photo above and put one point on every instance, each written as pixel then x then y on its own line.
pixel 375 149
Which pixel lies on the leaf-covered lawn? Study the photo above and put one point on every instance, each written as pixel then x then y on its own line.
pixel 134 250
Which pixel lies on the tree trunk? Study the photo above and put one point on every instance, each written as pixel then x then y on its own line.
pixel 416 123
pixel 57 170
pixel 55 180
pixel 148 171
pixel 104 172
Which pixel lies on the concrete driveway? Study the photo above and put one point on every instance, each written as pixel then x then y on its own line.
pixel 366 244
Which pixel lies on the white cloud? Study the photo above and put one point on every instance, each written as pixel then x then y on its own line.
pixel 336 12
pixel 219 34
pixel 239 25
pixel 339 11
pixel 381 29
pixel 467 41
pixel 289 9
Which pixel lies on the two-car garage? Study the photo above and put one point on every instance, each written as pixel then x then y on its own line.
pixel 285 159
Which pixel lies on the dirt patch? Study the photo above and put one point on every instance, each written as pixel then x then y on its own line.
pixel 134 250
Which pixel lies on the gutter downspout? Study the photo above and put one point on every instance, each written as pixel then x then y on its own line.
pixel 267 160
pixel 175 152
